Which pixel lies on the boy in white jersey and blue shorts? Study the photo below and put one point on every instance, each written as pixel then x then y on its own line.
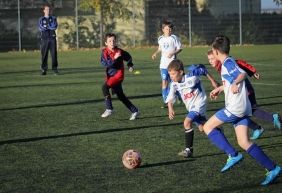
pixel 169 46
pixel 236 111
pixel 193 96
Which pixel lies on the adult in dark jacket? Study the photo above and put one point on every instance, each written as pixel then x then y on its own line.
pixel 47 26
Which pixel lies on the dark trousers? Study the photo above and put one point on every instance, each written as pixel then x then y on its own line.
pixel 46 45
pixel 117 89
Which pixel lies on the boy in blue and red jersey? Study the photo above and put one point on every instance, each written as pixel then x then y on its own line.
pixel 47 26
pixel 112 59
pixel 236 111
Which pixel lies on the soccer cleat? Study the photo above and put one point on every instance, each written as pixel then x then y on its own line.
pixel 56 72
pixel 257 133
pixel 277 121
pixel 271 176
pixel 107 113
pixel 134 116
pixel 43 72
pixel 186 153
pixel 231 161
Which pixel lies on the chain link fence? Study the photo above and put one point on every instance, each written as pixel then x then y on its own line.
pixel 196 23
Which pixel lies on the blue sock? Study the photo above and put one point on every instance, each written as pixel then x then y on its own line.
pixel 220 141
pixel 257 153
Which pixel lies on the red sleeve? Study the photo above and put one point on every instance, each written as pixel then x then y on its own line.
pixel 218 66
pixel 250 70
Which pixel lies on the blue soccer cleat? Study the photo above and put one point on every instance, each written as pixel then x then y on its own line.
pixel 271 176
pixel 231 161
pixel 277 121
pixel 257 133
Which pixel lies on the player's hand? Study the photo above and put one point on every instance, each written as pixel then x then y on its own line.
pixel 213 96
pixel 201 129
pixel 256 75
pixel 170 55
pixel 234 88
pixel 171 114
pixel 214 93
pixel 154 56
pixel 131 69
pixel 118 54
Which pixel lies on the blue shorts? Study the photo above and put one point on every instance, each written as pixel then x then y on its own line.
pixel 196 118
pixel 227 117
pixel 164 74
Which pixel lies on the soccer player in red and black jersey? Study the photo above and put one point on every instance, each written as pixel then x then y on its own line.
pixel 257 112
pixel 112 58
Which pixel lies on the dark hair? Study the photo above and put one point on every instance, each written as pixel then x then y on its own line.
pixel 167 23
pixel 176 65
pixel 222 44
pixel 46 5
pixel 109 35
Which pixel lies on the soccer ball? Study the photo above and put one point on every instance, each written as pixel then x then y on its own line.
pixel 131 159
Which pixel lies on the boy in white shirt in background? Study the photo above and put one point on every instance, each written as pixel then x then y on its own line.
pixel 169 46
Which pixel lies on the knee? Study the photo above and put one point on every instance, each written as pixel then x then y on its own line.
pixel 207 128
pixel 244 143
pixel 187 124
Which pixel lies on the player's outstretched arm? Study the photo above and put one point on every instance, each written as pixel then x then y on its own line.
pixel 171 112
pixel 214 83
pixel 154 56
pixel 250 69
pixel 174 53
pixel 215 92
pixel 234 87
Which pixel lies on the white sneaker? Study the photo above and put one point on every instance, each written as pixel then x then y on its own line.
pixel 107 113
pixel 134 116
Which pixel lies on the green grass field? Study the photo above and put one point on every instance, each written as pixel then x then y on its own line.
pixel 52 138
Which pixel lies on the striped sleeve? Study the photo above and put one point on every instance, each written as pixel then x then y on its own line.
pixel 250 70
pixel 42 24
pixel 53 23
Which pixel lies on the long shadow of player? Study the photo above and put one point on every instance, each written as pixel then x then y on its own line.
pixel 101 131
pixel 146 165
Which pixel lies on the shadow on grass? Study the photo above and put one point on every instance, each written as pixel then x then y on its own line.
pixel 47 85
pixel 272 136
pixel 76 102
pixel 62 71
pixel 146 165
pixel 32 139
